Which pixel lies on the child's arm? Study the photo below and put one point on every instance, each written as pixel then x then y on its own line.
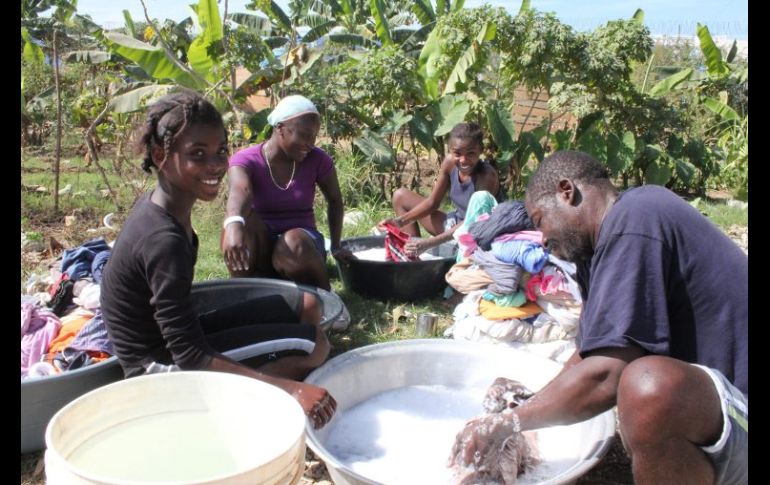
pixel 317 403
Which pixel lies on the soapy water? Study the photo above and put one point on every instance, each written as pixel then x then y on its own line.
pixel 378 254
pixel 405 436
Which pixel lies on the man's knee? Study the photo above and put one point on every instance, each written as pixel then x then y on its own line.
pixel 661 397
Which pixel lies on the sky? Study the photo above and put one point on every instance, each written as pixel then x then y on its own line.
pixel 727 18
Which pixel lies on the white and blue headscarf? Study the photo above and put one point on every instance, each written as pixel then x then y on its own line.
pixel 291 107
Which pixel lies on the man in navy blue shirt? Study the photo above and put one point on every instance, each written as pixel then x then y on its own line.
pixel 663 333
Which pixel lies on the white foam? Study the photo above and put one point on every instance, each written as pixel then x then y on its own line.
pixel 405 436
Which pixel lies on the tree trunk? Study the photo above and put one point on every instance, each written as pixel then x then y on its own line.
pixel 57 155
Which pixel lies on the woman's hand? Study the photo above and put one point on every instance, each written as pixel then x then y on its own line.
pixel 317 403
pixel 343 255
pixel 234 249
pixel 396 221
pixel 415 246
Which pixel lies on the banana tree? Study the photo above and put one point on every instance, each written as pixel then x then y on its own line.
pixel 52 28
pixel 200 67
pixel 718 71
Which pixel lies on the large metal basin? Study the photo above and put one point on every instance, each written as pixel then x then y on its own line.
pixel 388 280
pixel 41 398
pixel 363 373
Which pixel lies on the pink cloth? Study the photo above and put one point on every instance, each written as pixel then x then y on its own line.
pixel 534 236
pixel 38 327
pixel 549 281
pixel 395 240
pixel 467 244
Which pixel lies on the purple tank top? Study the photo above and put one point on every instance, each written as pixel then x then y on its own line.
pixel 282 210
pixel 460 193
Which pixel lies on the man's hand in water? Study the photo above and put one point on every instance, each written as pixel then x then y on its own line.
pixel 317 403
pixel 505 393
pixel 489 449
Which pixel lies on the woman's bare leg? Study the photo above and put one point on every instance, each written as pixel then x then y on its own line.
pixel 296 258
pixel 405 200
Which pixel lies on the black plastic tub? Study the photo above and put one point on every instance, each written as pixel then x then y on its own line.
pixel 216 294
pixel 388 280
pixel 42 397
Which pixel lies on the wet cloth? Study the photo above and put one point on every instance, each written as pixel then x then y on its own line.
pixel 549 281
pixel 97 266
pixel 534 236
pixel 93 336
pixel 505 276
pixel 466 277
pixel 71 359
pixel 39 326
pixel 569 270
pixel 77 262
pixel 61 298
pixel 507 218
pixel 490 311
pixel 470 325
pixel 70 326
pixel 566 315
pixel 511 300
pixel 395 240
pixel 89 296
pixel 481 203
pixel 530 256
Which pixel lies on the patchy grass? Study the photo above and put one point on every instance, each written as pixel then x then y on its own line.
pixel 724 215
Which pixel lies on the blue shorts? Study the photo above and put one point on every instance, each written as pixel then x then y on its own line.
pixel 317 237
pixel 730 454
pixel 451 220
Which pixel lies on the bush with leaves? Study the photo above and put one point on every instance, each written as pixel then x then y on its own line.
pixel 537 49
pixel 382 81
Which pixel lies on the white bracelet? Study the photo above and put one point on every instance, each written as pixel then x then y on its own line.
pixel 234 219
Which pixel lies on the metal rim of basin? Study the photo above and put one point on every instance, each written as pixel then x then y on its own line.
pixel 579 469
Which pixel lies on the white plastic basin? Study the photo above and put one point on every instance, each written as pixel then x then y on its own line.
pixel 181 427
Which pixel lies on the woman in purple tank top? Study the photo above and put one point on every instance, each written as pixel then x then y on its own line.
pixel 461 174
pixel 270 227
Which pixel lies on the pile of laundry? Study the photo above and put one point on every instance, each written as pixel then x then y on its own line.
pixel 61 322
pixel 515 291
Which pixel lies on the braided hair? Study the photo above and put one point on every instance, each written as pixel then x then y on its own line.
pixel 468 131
pixel 169 116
